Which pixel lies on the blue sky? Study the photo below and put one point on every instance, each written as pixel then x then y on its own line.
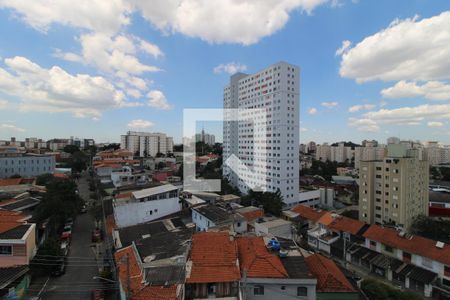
pixel 99 68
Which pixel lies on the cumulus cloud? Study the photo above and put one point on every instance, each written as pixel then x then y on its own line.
pixel 409 49
pixel 158 100
pixel 97 15
pixel 329 104
pixel 415 115
pixel 55 90
pixel 230 68
pixel 140 124
pixel 10 127
pixel 343 49
pixel 223 21
pixel 435 124
pixel 364 125
pixel 356 108
pixel 433 90
pixel 312 111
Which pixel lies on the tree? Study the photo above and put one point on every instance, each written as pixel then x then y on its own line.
pixel 271 202
pixel 161 165
pixel 15 176
pixel 44 179
pixel 376 290
pixel 431 228
pixel 112 146
pixel 159 154
pixel 71 149
pixel 46 257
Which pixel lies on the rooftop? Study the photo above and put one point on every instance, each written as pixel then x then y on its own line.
pixel 256 260
pixel 213 258
pixel 329 277
pixel 415 244
pixel 213 213
pixel 154 191
pixel 308 213
pixel 139 290
pixel 346 225
pixel 22 204
pixel 13 230
pixel 165 275
pixel 8 275
pixel 251 213
pixel 296 267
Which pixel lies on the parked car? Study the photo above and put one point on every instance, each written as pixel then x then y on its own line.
pixel 96 235
pixel 65 247
pixel 83 209
pixel 69 221
pixel 66 235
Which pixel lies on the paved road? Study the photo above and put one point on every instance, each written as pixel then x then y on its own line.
pixel 77 282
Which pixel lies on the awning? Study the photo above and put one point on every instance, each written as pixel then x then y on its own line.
pixel 422 275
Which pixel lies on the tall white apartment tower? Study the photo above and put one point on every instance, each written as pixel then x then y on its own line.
pixel 275 90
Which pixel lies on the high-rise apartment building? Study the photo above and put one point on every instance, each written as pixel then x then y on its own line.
pixel 394 190
pixel 146 143
pixel 275 90
pixel 207 138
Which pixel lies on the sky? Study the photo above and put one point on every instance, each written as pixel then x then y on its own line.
pixel 96 69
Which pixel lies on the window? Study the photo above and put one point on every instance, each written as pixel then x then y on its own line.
pixel 258 290
pixel 388 248
pixel 283 287
pixel 302 291
pixel 406 256
pixel 5 250
pixel 373 243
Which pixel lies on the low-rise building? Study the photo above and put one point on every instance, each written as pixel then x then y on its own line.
pixel 147 205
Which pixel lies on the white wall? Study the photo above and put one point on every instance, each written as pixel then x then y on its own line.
pixel 133 213
pixel 201 222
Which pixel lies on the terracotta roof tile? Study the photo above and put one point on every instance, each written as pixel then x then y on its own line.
pixel 329 277
pixel 214 258
pixel 347 225
pixel 253 215
pixel 138 290
pixel 417 244
pixel 257 261
pixel 308 213
pixel 10 181
pixel 326 219
pixel 7 226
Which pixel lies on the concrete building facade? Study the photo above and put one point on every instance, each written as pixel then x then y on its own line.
pixel 275 90
pixel 146 143
pixel 394 190
pixel 26 165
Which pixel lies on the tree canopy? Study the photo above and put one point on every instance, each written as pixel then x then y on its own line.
pixel 271 202
pixel 376 290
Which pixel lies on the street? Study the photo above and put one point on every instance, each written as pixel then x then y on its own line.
pixel 77 282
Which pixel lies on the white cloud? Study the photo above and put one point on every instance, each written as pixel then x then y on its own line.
pixel 329 104
pixel 303 129
pixel 435 124
pixel 223 21
pixel 312 111
pixel 97 15
pixel 230 68
pixel 414 115
pixel 10 127
pixel 365 125
pixel 140 124
pixel 55 90
pixel 158 100
pixel 356 108
pixel 343 49
pixel 409 49
pixel 150 48
pixel 433 90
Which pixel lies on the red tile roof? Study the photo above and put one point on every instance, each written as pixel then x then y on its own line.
pixel 138 290
pixel 417 244
pixel 10 181
pixel 253 215
pixel 11 217
pixel 346 225
pixel 326 219
pixel 257 261
pixel 308 213
pixel 7 226
pixel 214 258
pixel 329 277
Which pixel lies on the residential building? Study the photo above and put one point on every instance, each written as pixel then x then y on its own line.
pixel 271 161
pixel 146 143
pixel 331 282
pixel 437 154
pixel 323 152
pixel 146 205
pixel 394 190
pixel 213 267
pixel 274 227
pixel 26 165
pixel 17 239
pixel 207 216
pixel 265 276
pixel 206 138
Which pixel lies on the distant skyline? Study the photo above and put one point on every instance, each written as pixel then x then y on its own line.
pixel 96 69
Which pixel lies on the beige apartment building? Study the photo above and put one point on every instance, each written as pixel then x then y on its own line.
pixel 394 190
